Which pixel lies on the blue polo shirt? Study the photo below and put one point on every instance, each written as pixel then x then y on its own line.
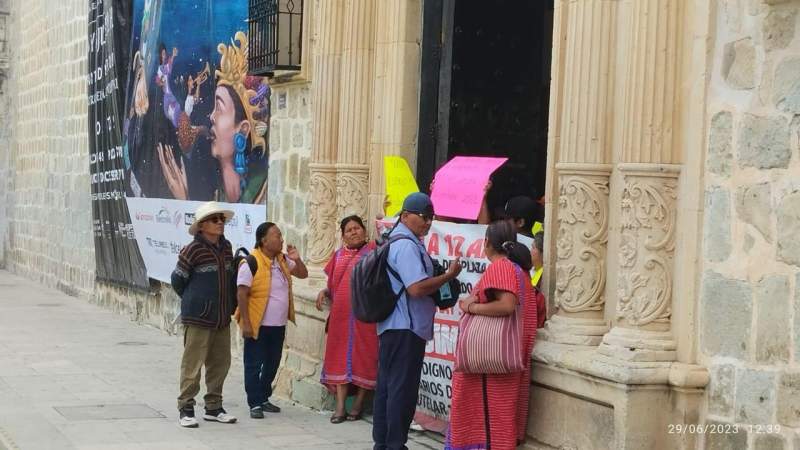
pixel 410 260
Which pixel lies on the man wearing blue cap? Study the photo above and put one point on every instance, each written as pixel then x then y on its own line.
pixel 404 334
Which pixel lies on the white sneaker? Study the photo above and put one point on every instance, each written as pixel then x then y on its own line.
pixel 187 419
pixel 416 427
pixel 218 415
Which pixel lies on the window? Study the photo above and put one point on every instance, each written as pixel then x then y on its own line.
pixel 275 33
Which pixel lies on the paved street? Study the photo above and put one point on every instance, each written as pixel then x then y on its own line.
pixel 73 375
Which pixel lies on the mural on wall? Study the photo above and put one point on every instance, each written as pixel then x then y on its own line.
pixel 194 126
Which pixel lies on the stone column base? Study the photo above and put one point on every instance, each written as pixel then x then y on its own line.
pixel 572 330
pixel 629 344
pixel 597 402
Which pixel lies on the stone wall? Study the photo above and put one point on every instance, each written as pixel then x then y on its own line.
pixel 48 212
pixel 290 152
pixel 5 128
pixel 45 211
pixel 749 311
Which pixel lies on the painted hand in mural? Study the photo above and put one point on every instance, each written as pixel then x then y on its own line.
pixel 175 176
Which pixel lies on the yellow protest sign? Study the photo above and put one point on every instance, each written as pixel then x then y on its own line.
pixel 399 183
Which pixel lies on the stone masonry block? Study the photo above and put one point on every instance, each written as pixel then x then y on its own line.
pixel 786 86
pixel 789 399
pixel 779 28
pixel 291 99
pixel 725 441
pixel 739 64
pixel 753 205
pixel 305 175
pixel 720 152
pixel 721 388
pixel 755 396
pixel 769 442
pixel 764 142
pixel 796 333
pixel 789 229
pixel 300 217
pixel 773 313
pixel 292 170
pixel 297 135
pixel 287 211
pixel 311 393
pixel 717 225
pixel 726 307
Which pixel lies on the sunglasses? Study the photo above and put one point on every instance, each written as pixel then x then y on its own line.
pixel 423 216
pixel 220 218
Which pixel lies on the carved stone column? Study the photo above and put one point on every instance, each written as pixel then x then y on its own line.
pixel 395 117
pixel 352 169
pixel 583 166
pixel 649 175
pixel 323 209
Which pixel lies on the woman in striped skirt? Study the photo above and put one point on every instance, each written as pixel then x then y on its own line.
pixel 490 411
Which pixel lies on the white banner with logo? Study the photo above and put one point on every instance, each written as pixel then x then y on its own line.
pixel 162 229
pixel 446 241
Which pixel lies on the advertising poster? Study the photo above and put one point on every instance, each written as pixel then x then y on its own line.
pixel 194 126
pixel 117 257
pixel 445 242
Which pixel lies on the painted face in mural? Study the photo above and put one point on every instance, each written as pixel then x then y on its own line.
pixel 227 119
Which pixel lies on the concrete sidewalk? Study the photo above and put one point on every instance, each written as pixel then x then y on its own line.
pixel 75 376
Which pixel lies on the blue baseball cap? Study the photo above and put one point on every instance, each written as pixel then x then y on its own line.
pixel 418 202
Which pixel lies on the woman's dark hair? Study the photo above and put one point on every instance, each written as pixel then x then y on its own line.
pixel 161 48
pixel 261 231
pixel 353 218
pixel 502 237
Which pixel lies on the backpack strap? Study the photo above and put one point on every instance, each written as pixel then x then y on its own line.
pixel 394 272
pixel 252 263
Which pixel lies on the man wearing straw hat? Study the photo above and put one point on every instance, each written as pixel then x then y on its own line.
pixel 203 280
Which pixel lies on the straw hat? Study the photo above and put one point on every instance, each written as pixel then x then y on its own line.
pixel 206 210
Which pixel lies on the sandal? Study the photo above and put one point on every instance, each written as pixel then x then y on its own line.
pixel 352 417
pixel 338 419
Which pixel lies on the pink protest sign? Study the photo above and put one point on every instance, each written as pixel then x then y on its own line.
pixel 458 185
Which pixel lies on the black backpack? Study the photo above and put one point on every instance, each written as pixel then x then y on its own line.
pixel 371 295
pixel 240 255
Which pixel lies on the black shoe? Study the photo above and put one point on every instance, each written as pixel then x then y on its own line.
pixel 256 412
pixel 269 407
pixel 187 419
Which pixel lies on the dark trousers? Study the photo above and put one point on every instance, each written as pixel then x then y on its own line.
pixel 262 357
pixel 399 370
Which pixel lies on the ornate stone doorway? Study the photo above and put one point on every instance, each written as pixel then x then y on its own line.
pixel 485 83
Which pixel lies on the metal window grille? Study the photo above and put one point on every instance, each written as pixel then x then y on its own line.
pixel 275 33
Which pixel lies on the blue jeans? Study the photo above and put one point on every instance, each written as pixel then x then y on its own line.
pixel 400 355
pixel 262 357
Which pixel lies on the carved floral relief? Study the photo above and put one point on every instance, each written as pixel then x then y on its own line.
pixel 581 242
pixel 352 189
pixel 647 248
pixel 322 216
